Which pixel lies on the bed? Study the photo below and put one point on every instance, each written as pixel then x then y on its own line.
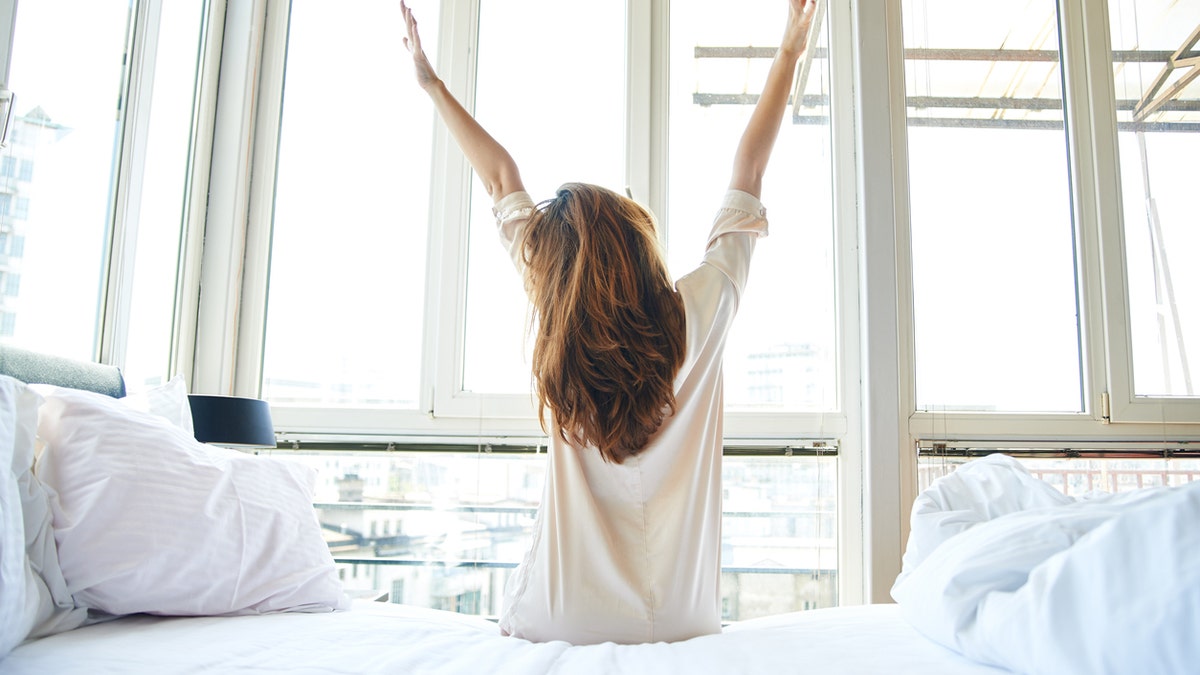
pixel 129 547
pixel 373 637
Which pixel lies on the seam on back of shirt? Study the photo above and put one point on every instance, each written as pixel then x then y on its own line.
pixel 641 494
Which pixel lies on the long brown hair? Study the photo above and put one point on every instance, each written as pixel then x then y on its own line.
pixel 610 324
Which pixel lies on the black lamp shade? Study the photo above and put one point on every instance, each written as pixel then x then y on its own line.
pixel 233 421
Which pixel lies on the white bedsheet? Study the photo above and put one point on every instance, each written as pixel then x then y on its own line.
pixel 386 638
pixel 1006 571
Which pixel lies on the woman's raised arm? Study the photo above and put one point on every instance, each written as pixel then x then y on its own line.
pixel 754 150
pixel 492 163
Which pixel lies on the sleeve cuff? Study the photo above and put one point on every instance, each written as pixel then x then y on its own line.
pixel 738 200
pixel 740 212
pixel 516 204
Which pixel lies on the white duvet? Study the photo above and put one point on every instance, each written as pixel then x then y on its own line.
pixel 1006 570
pixel 375 637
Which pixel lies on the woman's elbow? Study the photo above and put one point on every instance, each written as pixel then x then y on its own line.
pixel 503 184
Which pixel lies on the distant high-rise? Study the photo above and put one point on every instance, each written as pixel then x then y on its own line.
pixel 18 163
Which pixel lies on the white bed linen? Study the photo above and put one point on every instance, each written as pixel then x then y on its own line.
pixel 384 638
pixel 1006 571
pixel 34 598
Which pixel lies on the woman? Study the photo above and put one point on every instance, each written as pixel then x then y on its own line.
pixel 628 536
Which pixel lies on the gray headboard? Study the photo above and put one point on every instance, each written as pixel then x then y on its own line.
pixel 35 368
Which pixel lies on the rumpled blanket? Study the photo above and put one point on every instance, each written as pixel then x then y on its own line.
pixel 1007 571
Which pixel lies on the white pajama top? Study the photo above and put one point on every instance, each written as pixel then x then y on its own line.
pixel 630 552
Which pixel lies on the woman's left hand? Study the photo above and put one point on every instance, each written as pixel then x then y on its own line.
pixel 800 17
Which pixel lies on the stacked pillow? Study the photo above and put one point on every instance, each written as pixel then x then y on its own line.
pixel 34 599
pixel 124 512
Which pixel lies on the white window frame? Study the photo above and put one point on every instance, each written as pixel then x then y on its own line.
pixel 892 425
pixel 1106 360
pixel 234 343
pixel 118 289
pixel 129 167
pixel 1119 403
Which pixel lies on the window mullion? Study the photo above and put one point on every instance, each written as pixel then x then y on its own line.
pixel 187 299
pixel 851 533
pixel 647 27
pixel 449 225
pixel 251 311
pixel 885 293
pixel 1089 117
pixel 229 185
pixel 131 166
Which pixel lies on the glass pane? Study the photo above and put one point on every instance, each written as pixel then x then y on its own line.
pixel 779 535
pixel 1077 477
pixel 347 285
pixel 782 350
pixel 996 311
pixel 434 529
pixel 1158 141
pixel 557 103
pixel 164 194
pixel 56 173
pixel 445 529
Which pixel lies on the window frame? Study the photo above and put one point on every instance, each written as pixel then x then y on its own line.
pixel 114 311
pixel 1090 118
pixel 1119 402
pixel 444 409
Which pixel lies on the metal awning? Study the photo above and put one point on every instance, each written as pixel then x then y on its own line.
pixel 1004 87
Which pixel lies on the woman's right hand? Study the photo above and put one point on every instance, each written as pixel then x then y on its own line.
pixel 426 76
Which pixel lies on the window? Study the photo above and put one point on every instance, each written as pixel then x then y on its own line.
pixel 1016 168
pixel 563 119
pixel 64 122
pixel 100 213
pixel 392 312
pixel 1047 286
pixel 155 222
pixel 351 212
pixel 996 304
pixel 463 521
pixel 462 360
pixel 782 354
pixel 1158 116
pixel 1041 204
pixel 10 284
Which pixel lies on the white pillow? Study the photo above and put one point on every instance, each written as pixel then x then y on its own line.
pixel 169 401
pixel 33 595
pixel 16 624
pixel 147 519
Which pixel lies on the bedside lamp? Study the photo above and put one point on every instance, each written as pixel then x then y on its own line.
pixel 232 421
